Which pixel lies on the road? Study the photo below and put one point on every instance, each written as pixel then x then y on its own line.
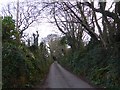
pixel 58 77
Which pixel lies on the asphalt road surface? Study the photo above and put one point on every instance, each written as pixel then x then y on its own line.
pixel 58 77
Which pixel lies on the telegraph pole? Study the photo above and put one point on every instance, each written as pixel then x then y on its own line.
pixel 17 17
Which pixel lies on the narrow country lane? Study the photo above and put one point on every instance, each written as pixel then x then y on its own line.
pixel 58 77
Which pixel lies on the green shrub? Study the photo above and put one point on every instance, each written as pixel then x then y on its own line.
pixel 98 65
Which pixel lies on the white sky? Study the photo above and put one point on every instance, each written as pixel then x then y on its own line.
pixel 44 28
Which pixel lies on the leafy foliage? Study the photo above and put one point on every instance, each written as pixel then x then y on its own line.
pixel 8 26
pixel 23 66
pixel 98 65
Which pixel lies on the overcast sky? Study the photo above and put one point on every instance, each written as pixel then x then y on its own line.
pixel 43 28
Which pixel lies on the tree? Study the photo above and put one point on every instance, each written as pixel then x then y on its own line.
pixel 35 37
pixel 109 19
pixel 22 65
pixel 69 23
pixel 100 59
pixel 85 15
pixel 28 12
pixel 54 46
pixel 8 28
pixel 57 49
